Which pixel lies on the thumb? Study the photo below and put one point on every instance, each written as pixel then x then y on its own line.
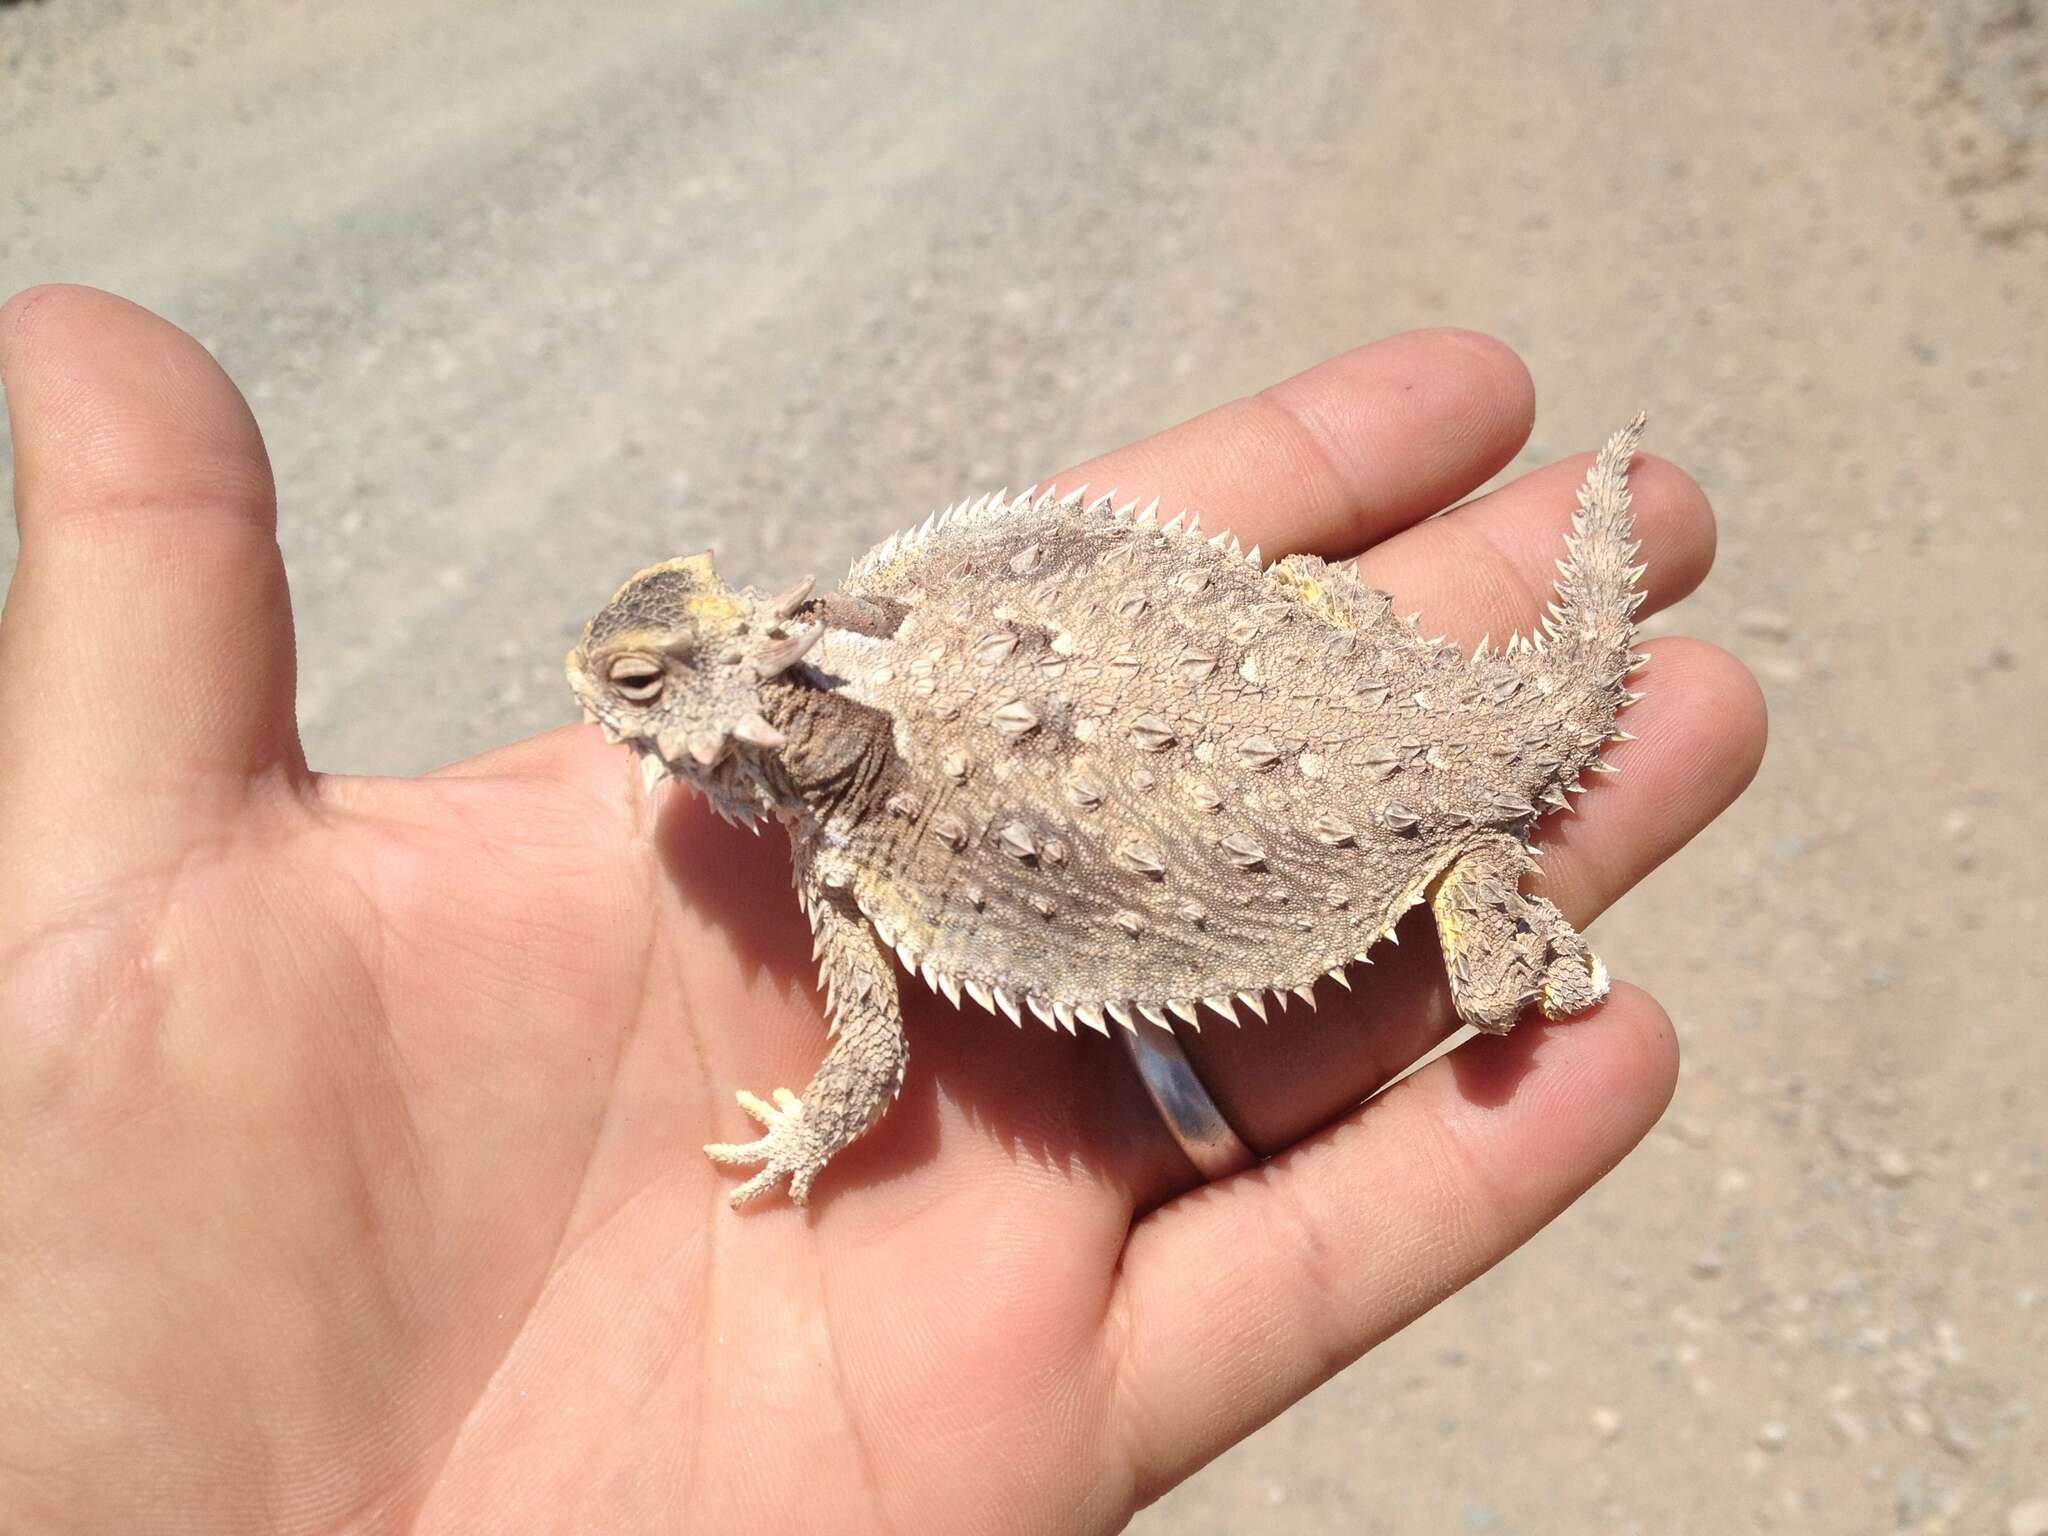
pixel 146 644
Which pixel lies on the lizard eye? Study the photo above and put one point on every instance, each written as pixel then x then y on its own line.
pixel 636 678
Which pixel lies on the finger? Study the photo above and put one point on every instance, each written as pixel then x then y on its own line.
pixel 1695 752
pixel 1488 568
pixel 1700 730
pixel 148 632
pixel 1340 456
pixel 1235 1301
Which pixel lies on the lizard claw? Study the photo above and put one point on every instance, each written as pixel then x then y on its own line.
pixel 788 1151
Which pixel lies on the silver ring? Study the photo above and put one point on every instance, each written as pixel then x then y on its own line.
pixel 1184 1104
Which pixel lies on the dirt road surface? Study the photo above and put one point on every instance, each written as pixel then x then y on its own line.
pixel 525 294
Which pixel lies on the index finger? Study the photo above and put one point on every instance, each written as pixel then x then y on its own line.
pixel 1338 457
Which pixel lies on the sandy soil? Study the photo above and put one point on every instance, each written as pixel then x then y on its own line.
pixel 524 293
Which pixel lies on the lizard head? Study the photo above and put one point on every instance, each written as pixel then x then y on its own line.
pixel 676 665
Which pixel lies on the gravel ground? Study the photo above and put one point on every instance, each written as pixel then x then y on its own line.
pixel 524 294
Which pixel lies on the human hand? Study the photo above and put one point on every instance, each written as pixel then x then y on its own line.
pixel 350 1128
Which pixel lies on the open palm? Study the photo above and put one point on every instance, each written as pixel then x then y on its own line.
pixel 350 1168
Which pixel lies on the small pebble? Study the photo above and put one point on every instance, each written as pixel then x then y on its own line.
pixel 1771 1435
pixel 1893 1166
pixel 1784 670
pixel 1606 1422
pixel 2028 1518
pixel 1765 623
pixel 1952 1437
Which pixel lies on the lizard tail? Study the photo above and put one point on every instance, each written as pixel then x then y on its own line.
pixel 1586 649
pixel 1594 617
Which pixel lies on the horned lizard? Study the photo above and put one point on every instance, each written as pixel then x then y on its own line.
pixel 1066 759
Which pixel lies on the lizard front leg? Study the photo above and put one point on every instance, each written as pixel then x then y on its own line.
pixel 861 1072
pixel 1505 950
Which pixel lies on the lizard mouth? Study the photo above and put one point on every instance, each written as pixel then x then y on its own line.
pixel 611 732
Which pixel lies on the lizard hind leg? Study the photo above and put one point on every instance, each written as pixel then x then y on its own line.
pixel 853 1086
pixel 1504 950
